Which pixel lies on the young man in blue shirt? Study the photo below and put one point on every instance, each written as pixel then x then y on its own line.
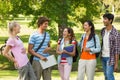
pixel 34 41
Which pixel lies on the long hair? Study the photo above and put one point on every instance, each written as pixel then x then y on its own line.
pixel 92 34
pixel 71 32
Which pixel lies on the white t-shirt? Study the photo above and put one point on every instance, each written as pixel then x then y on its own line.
pixel 106 46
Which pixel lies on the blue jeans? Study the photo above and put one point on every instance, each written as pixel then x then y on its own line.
pixel 108 69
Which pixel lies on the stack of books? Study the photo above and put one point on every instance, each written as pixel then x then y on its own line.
pixel 68 48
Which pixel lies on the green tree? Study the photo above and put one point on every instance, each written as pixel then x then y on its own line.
pixel 63 13
pixel 69 12
pixel 5 7
pixel 111 5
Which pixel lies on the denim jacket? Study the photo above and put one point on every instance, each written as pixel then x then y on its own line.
pixel 69 59
pixel 90 44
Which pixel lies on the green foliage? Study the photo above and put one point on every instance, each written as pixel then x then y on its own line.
pixel 62 12
pixel 86 10
pixel 53 31
pixel 110 6
pixel 5 7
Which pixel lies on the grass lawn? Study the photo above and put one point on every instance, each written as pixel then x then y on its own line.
pixel 12 75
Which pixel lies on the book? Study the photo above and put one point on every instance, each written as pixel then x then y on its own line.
pixel 51 61
pixel 68 48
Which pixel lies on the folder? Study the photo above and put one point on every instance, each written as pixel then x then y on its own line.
pixel 51 61
pixel 68 48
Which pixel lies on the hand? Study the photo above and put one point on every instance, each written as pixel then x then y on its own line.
pixel 115 67
pixel 64 51
pixel 43 58
pixel 23 51
pixel 86 49
pixel 61 52
pixel 46 50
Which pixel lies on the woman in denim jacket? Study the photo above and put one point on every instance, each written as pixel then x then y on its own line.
pixel 87 62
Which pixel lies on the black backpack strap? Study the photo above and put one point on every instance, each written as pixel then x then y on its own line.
pixel 97 54
pixel 59 40
pixel 81 39
pixel 41 43
pixel 31 57
pixel 94 40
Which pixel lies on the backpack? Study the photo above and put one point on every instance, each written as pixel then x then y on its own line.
pixel 96 54
pixel 2 48
pixel 76 51
pixel 76 55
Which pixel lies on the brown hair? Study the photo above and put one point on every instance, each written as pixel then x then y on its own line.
pixel 41 20
pixel 71 32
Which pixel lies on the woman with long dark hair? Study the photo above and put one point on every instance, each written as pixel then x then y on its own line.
pixel 65 58
pixel 89 44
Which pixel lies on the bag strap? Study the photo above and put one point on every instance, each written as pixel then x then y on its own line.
pixel 41 43
pixel 94 40
pixel 81 39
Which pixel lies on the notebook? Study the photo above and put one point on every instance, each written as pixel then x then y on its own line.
pixel 51 61
pixel 68 48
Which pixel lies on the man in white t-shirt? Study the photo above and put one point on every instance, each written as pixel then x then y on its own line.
pixel 110 47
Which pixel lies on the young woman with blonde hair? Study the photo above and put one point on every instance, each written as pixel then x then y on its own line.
pixel 19 57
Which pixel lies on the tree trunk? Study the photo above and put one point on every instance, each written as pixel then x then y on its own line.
pixel 63 19
pixel 60 30
pixel 113 9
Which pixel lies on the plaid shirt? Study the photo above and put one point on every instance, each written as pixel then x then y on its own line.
pixel 119 41
pixel 114 41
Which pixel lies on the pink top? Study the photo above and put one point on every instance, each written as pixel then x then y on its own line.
pixel 17 46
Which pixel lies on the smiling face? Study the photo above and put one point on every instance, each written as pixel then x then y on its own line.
pixel 66 34
pixel 86 27
pixel 17 28
pixel 106 21
pixel 44 25
pixel 14 27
